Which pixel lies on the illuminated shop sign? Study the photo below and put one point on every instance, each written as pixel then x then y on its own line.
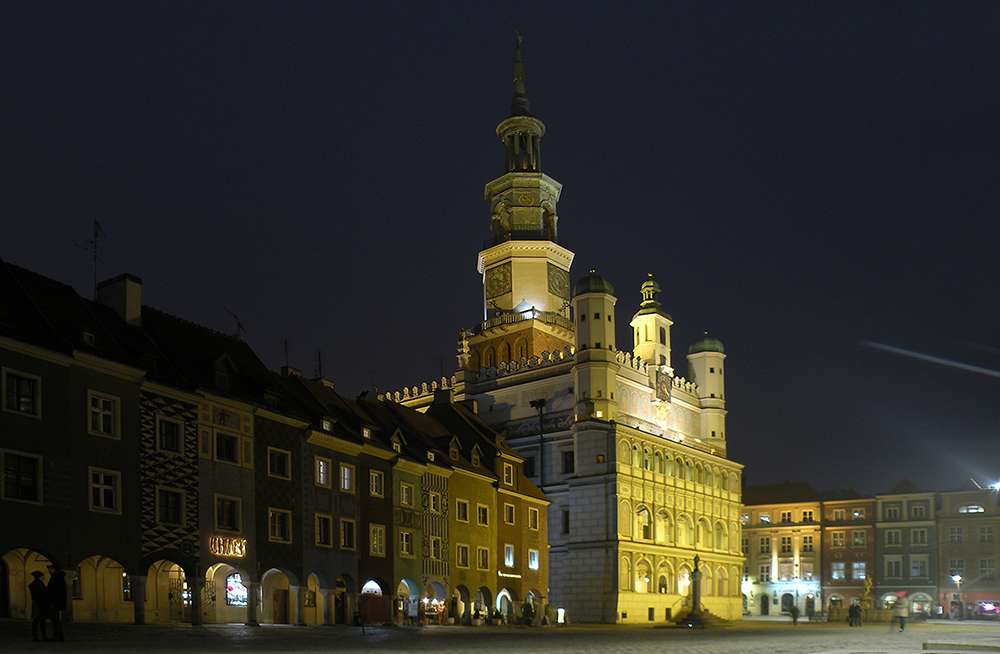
pixel 226 546
pixel 507 574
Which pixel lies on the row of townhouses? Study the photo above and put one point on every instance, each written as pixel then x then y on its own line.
pixel 935 551
pixel 175 478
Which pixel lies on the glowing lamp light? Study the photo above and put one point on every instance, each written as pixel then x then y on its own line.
pixel 995 485
pixel 599 413
pixel 561 616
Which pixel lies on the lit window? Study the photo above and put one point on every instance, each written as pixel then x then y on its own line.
pixel 104 491
pixel 367 432
pixel 279 525
pixel 103 415
pixel 21 393
pixel 322 472
pixel 347 477
pixel 236 591
pixel 971 508
pixel 533 559
pixel 858 570
pixel 837 570
pixel 858 538
pixel 764 517
pixel 508 555
pixel 837 538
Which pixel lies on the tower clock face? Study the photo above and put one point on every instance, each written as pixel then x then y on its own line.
pixel 498 280
pixel 558 282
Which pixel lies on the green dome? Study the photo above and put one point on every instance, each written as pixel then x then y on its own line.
pixel 707 344
pixel 593 283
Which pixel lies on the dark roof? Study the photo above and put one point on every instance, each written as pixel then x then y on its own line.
pixel 839 494
pixel 904 487
pixel 786 493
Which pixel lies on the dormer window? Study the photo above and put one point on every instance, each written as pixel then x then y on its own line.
pixel 475 459
pixel 430 456
pixel 222 379
pixel 367 432
pixel 397 447
pixel 971 508
pixel 327 425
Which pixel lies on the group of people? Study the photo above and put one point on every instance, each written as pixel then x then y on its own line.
pixel 48 601
pixel 854 615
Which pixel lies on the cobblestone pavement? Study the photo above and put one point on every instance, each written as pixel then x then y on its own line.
pixel 747 637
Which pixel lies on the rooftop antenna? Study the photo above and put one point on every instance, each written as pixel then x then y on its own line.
pixel 92 248
pixel 319 363
pixel 239 326
pixel 286 352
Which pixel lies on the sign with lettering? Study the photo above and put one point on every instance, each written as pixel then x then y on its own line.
pixel 226 546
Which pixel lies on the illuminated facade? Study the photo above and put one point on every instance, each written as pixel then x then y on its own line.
pixel 848 551
pixel 632 455
pixel 781 536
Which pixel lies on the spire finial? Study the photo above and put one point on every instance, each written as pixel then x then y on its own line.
pixel 519 103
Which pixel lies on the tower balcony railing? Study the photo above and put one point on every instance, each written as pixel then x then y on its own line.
pixel 547 317
pixel 517 234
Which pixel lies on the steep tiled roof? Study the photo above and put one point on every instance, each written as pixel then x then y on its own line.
pixel 786 493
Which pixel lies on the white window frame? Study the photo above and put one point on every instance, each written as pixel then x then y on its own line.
pixel 462 555
pixel 113 412
pixel 508 474
pixel 533 519
pixel 406 538
pixel 508 555
pixel 406 493
pixel 36 398
pixel 482 558
pixel 101 485
pixel 434 502
pixel 376 483
pixel 220 433
pixel 462 510
pixel 509 511
pixel 482 515
pixel 434 543
pixel 533 559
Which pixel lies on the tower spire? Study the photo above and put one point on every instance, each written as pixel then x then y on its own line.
pixel 519 105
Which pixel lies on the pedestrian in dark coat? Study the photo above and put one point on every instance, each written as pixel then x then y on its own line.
pixel 39 606
pixel 56 596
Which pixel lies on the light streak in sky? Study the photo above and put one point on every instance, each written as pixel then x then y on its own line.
pixel 933 359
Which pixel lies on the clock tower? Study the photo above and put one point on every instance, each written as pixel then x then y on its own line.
pixel 526 291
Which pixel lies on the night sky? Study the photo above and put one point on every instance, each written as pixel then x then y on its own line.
pixel 817 184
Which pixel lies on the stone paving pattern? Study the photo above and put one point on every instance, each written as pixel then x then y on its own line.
pixel 775 636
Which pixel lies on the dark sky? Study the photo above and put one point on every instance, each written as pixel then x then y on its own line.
pixel 801 178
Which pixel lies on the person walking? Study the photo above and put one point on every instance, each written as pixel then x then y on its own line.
pixel 899 613
pixel 39 606
pixel 795 615
pixel 55 595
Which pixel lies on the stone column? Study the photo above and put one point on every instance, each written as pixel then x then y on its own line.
pixel 329 602
pixel 196 584
pixel 298 605
pixel 252 588
pixel 139 598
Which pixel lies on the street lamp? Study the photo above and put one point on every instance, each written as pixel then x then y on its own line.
pixel 961 605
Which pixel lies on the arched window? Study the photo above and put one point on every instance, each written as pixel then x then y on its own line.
pixel 643 578
pixel 670 466
pixel 658 460
pixel 689 471
pixel 665 579
pixel 643 523
pixel 720 536
pixel 636 457
pixel 663 527
pixel 236 592
pixel 709 477
pixel 505 352
pixel 647 460
pixel 489 358
pixel 684 531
